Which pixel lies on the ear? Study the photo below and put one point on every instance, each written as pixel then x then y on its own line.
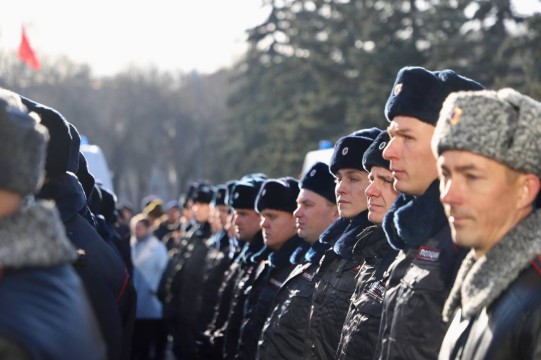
pixel 529 188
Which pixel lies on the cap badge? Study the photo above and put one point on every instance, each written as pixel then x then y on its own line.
pixel 397 89
pixel 455 116
pixel 382 145
pixel 313 172
pixel 236 196
pixel 345 151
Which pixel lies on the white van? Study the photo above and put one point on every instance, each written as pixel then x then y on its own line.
pixel 314 156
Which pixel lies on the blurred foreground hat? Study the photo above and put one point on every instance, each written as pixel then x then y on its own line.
pixel 22 146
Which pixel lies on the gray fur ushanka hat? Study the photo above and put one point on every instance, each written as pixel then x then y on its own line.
pixel 501 125
pixel 22 146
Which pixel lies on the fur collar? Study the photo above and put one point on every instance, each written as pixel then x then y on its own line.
pixel 67 193
pixel 280 257
pixel 34 237
pixel 326 240
pixel 297 257
pixel 411 220
pixel 480 282
pixel 348 239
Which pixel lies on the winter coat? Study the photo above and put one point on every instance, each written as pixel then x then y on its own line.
pixel 44 309
pixel 149 261
pixel 285 330
pixel 237 311
pixel 104 276
pixel 496 300
pixel 420 278
pixel 216 264
pixel 192 270
pixel 269 278
pixel 335 283
pixel 211 342
pixel 361 327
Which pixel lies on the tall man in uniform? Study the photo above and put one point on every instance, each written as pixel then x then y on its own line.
pixel 424 271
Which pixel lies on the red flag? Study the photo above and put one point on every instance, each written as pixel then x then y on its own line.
pixel 27 54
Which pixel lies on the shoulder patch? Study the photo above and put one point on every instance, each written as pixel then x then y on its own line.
pixel 428 254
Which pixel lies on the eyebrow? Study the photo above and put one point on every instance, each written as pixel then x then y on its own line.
pixel 401 131
pixel 462 168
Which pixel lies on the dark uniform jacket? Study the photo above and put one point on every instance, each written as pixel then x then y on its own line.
pixel 361 327
pixel 242 291
pixel 285 330
pixel 268 280
pixel 212 341
pixel 105 278
pixel 496 300
pixel 216 264
pixel 190 270
pixel 44 310
pixel 335 283
pixel 419 279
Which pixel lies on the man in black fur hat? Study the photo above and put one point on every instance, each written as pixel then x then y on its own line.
pixel 44 309
pixel 361 327
pixel 275 202
pixel 335 278
pixel 102 270
pixel 426 266
pixel 285 330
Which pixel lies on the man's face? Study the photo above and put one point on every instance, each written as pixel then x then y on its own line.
pixel 223 212
pixel 246 224
pixel 380 193
pixel 214 219
pixel 278 227
pixel 173 215
pixel 479 196
pixel 201 212
pixel 187 212
pixel 313 215
pixel 350 187
pixel 141 230
pixel 412 163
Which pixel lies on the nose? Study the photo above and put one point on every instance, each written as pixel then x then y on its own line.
pixel 390 150
pixel 340 187
pixel 372 190
pixel 298 211
pixel 450 192
pixel 264 223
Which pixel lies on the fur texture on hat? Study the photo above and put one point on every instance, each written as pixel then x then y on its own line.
pixel 349 150
pixel 22 146
pixel 501 125
pixel 320 180
pixel 373 156
pixel 204 194
pixel 420 93
pixel 278 194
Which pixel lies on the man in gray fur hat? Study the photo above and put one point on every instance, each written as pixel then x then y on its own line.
pixel 44 309
pixel 487 148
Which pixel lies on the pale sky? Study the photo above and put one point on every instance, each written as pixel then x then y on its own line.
pixel 111 35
